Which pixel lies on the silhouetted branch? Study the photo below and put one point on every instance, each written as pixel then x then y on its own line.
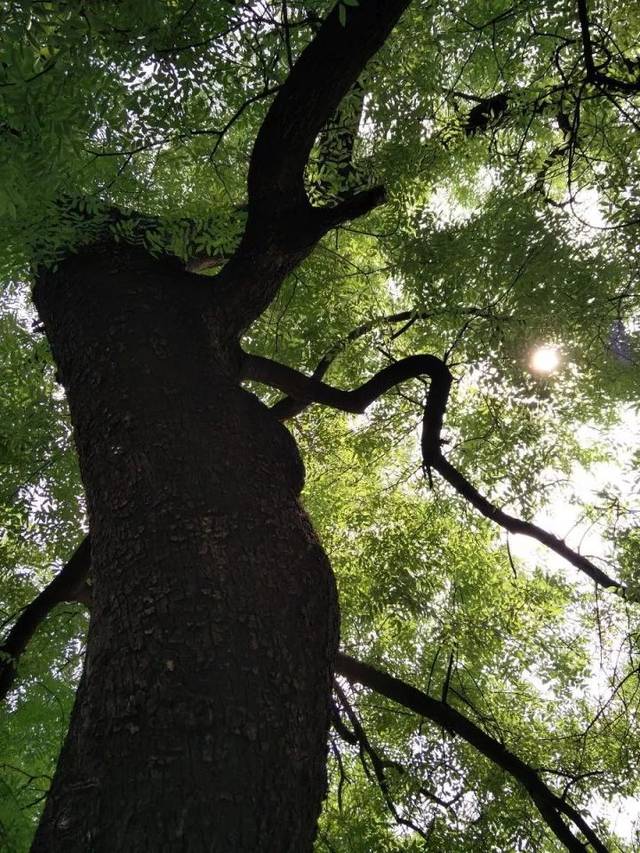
pixel 518 525
pixel 282 226
pixel 366 749
pixel 307 390
pixel 594 74
pixel 288 407
pixel 68 585
pixel 550 805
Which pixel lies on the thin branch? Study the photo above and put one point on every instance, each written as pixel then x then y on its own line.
pixel 220 133
pixel 594 74
pixel 447 679
pixel 287 34
pixel 377 763
pixel 549 805
pixel 517 525
pixel 341 728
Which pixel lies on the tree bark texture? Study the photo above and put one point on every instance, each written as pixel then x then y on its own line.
pixel 201 719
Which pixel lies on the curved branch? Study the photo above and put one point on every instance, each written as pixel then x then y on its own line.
pixel 550 805
pixel 307 390
pixel 319 80
pixel 289 407
pixel 68 585
pixel 310 390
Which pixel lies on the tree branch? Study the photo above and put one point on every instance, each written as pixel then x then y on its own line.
pixel 518 525
pixel 594 74
pixel 587 47
pixel 549 805
pixel 366 749
pixel 310 390
pixel 282 226
pixel 288 407
pixel 307 390
pixel 68 585
pixel 321 77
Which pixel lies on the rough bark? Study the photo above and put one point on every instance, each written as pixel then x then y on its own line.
pixel 201 719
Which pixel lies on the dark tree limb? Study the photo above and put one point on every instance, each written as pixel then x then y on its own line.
pixel 518 525
pixel 307 390
pixel 366 749
pixel 594 73
pixel 550 805
pixel 358 737
pixel 282 226
pixel 68 585
pixel 341 728
pixel 288 407
pixel 320 78
pixel 587 47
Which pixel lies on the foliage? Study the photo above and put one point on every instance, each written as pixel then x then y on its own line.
pixel 138 118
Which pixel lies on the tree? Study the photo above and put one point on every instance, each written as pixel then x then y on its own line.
pixel 471 137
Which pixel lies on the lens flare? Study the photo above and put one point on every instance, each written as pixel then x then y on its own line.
pixel 544 359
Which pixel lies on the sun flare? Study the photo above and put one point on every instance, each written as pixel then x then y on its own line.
pixel 544 359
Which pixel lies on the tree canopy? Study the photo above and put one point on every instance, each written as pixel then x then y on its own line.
pixel 505 138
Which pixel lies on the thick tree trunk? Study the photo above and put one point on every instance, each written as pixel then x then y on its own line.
pixel 201 719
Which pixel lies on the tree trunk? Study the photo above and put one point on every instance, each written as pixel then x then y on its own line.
pixel 201 718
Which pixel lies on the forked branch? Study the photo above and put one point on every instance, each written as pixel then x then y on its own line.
pixel 282 226
pixel 289 407
pixel 324 73
pixel 595 74
pixel 309 390
pixel 367 751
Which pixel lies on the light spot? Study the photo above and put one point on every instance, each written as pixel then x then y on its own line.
pixel 544 359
